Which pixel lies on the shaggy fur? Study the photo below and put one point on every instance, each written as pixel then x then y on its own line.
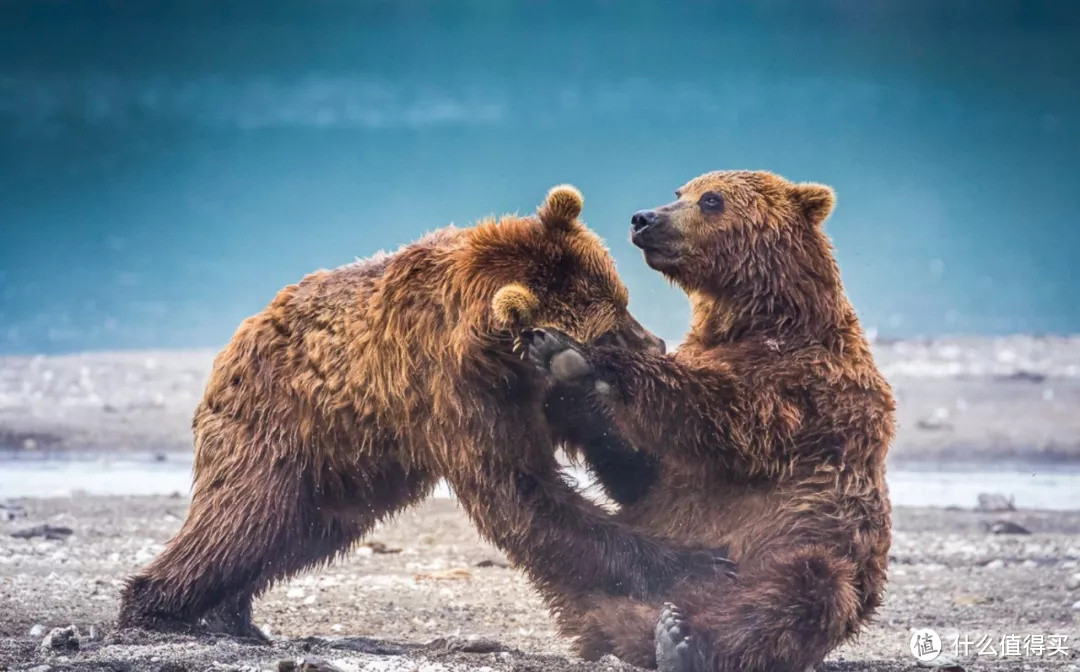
pixel 770 425
pixel 357 389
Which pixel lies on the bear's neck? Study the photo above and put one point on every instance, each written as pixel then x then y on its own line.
pixel 818 314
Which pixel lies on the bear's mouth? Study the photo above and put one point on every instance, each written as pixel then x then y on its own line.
pixel 656 247
pixel 660 258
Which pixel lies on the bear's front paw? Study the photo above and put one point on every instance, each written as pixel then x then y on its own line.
pixel 552 351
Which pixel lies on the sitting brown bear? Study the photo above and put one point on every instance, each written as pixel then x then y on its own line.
pixel 765 433
pixel 357 389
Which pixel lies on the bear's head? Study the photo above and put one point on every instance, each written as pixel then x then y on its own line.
pixel 552 271
pixel 749 237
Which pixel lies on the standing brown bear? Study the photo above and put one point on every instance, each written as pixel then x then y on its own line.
pixel 765 433
pixel 357 389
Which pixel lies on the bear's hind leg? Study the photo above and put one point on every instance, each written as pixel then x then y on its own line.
pixel 241 536
pixel 233 617
pixel 784 615
pixel 605 625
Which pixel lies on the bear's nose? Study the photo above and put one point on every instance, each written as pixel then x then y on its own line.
pixel 642 220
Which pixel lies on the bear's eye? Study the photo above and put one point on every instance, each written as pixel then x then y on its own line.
pixel 711 201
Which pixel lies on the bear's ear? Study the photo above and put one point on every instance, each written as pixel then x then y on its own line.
pixel 561 208
pixel 815 201
pixel 514 306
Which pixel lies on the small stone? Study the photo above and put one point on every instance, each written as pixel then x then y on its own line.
pixel 374 647
pixel 1076 605
pixel 381 548
pixel 993 502
pixel 501 564
pixel 11 511
pixel 963 599
pixel 37 631
pixel 311 664
pixel 943 663
pixel 61 639
pixel 1006 527
pixel 472 644
pixel 610 662
pixel 1072 582
pixel 49 532
pixel 450 574
pixel 995 564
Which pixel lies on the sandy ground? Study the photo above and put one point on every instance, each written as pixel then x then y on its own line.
pixel 440 587
pixel 960 400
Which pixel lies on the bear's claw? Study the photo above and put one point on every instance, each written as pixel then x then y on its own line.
pixel 554 352
pixel 673 641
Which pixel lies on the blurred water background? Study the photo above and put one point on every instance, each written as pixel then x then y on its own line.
pixel 166 167
pixel 64 475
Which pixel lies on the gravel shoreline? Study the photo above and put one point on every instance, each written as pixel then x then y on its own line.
pixel 424 590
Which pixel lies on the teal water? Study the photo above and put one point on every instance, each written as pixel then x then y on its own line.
pixel 166 167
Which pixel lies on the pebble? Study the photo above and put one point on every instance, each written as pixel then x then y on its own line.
pixel 1072 582
pixel 61 639
pixel 993 502
pixel 306 665
pixel 1076 605
pixel 49 532
pixel 995 564
pixel 1006 527
pixel 11 511
pixel 943 663
pixel 610 662
pixel 38 630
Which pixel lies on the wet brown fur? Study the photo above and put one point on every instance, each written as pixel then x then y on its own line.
pixel 770 424
pixel 357 389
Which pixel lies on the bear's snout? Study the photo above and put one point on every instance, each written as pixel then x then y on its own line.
pixel 651 230
pixel 642 220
